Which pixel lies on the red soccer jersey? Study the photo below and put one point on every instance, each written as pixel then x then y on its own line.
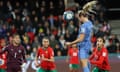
pixel 48 53
pixel 100 58
pixel 73 54
pixel 3 59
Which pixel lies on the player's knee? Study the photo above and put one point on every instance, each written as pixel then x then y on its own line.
pixel 84 62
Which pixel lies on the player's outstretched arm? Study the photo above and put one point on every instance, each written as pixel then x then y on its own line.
pixel 81 38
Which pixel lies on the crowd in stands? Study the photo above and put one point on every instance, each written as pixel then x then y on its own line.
pixel 34 19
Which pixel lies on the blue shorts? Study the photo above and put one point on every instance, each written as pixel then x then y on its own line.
pixel 83 53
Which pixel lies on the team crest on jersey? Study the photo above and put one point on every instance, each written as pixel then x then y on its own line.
pixel 19 51
pixel 104 54
pixel 82 30
pixel 74 54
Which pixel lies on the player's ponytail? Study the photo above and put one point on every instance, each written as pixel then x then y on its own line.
pixel 87 8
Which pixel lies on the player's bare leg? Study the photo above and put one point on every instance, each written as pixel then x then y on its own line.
pixel 84 63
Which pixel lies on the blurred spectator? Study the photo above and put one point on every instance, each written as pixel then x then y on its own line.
pixel 57 50
pixel 93 40
pixel 107 43
pixel 53 41
pixel 75 34
pixel 62 29
pixel 100 33
pixel 62 42
pixel 18 22
pixel 13 29
pixel 60 21
pixel 51 21
pixel 41 12
pixel 31 36
pixel 36 42
pixel 51 8
pixel 67 36
pixel 96 27
pixel 118 47
pixel 64 51
pixel 34 15
pixel 17 8
pixel 54 31
pixel 3 31
pixel 76 21
pixel 61 7
pixel 113 43
pixel 69 4
pixel 27 45
pixel 106 27
pixel 33 53
pixel 93 18
pixel 26 7
pixel 9 6
pixel 43 3
pixel 43 19
pixel 47 28
pixel 10 40
pixel 1 10
pixel 101 17
pixel 35 23
pixel 71 27
pixel 28 24
pixel 21 30
pixel 2 42
pixel 59 53
pixel 40 34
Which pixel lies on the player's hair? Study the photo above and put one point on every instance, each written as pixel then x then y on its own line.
pixel 14 35
pixel 45 38
pixel 102 39
pixel 88 7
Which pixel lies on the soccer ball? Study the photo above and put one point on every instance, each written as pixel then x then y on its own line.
pixel 68 15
